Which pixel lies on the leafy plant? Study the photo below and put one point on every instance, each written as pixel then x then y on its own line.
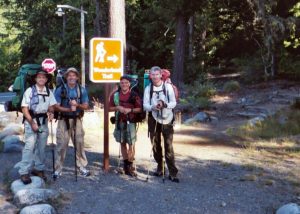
pixel 231 86
pixel 196 96
pixel 271 127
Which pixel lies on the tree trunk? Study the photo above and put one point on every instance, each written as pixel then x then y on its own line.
pixel 178 64
pixel 116 30
pixel 271 60
pixel 117 26
pixel 191 32
pixel 97 28
pixel 203 47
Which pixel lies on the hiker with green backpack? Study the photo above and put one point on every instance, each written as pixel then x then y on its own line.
pixel 127 105
pixel 160 101
pixel 37 107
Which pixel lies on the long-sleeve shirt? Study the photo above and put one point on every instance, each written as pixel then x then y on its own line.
pixel 164 116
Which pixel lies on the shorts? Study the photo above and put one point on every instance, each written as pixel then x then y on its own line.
pixel 125 133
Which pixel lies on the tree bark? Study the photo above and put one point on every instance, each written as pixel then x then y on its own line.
pixel 191 32
pixel 180 49
pixel 203 39
pixel 97 27
pixel 270 43
pixel 117 25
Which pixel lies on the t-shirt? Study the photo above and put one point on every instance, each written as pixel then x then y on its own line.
pixel 44 101
pixel 71 94
pixel 127 102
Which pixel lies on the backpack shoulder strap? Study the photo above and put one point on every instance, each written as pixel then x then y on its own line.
pixel 79 93
pixel 151 91
pixel 116 96
pixel 48 91
pixel 132 97
pixel 166 91
pixel 63 92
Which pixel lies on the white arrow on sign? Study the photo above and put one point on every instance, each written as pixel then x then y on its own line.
pixel 113 58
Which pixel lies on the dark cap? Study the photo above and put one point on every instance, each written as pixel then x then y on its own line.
pixel 48 75
pixel 125 77
pixel 42 72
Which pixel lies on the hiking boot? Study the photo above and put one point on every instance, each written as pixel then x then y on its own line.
pixel 56 175
pixel 39 173
pixel 131 170
pixel 83 171
pixel 26 179
pixel 158 173
pixel 126 166
pixel 173 179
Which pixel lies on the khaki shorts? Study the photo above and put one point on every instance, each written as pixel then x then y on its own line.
pixel 125 133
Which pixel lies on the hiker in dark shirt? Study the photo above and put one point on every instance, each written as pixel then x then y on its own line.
pixel 126 104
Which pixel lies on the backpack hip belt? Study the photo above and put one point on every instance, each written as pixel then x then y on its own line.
pixel 37 116
pixel 66 118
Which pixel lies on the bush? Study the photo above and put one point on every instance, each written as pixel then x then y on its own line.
pixel 200 89
pixel 290 67
pixel 96 91
pixel 192 103
pixel 251 68
pixel 196 96
pixel 271 127
pixel 231 86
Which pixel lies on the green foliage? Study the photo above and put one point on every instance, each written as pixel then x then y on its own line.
pixel 192 103
pixel 289 66
pixel 9 54
pixel 250 67
pixel 231 86
pixel 226 35
pixel 196 96
pixel 96 91
pixel 272 127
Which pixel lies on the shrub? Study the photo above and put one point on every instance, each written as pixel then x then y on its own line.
pixel 290 67
pixel 231 86
pixel 271 127
pixel 251 68
pixel 196 96
pixel 96 90
pixel 192 103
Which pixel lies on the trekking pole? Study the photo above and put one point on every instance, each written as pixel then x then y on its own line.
pixel 163 148
pixel 151 152
pixel 74 141
pixel 117 126
pixel 119 160
pixel 53 155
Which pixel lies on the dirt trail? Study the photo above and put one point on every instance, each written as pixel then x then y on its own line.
pixel 215 174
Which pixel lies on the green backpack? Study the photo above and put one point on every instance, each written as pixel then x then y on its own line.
pixel 21 83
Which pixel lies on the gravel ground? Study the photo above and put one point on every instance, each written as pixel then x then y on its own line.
pixel 210 182
pixel 211 173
